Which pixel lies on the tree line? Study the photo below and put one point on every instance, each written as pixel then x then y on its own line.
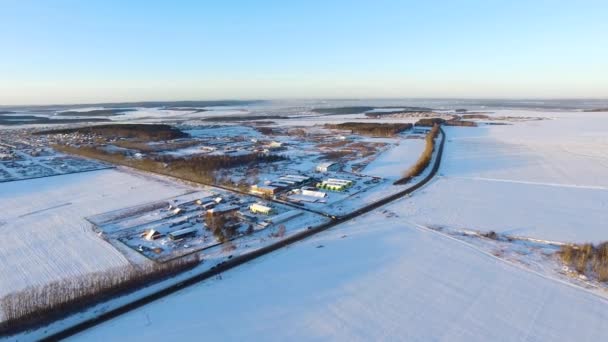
pixel 372 128
pixel 199 169
pixel 35 306
pixel 425 158
pixel 153 132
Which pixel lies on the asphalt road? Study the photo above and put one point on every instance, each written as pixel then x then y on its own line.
pixel 239 260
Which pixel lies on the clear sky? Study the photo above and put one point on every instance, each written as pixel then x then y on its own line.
pixel 60 51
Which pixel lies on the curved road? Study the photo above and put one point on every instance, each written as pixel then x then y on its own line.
pixel 239 260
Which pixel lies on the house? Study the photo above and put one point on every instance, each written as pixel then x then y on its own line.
pixel 329 166
pixel 258 208
pixel 182 233
pixel 208 205
pixel 335 184
pixel 287 181
pixel 247 217
pixel 280 184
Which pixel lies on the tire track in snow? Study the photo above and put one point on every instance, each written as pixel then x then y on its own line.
pixel 558 185
pixel 424 228
pixel 46 209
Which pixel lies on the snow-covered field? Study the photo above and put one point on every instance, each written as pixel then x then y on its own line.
pixel 375 278
pixel 544 179
pixel 393 163
pixel 45 236
pixel 379 277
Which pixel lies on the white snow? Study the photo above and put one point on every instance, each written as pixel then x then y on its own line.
pixel 375 278
pixel 544 179
pixel 44 234
pixel 393 163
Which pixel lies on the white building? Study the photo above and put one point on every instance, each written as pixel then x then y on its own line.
pixel 325 167
pixel 313 193
pixel 284 217
pixel 257 208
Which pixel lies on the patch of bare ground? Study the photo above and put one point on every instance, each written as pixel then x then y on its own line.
pixel 587 259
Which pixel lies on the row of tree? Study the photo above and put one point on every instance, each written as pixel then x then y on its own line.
pixel 372 128
pixel 200 169
pixel 147 132
pixel 39 305
pixel 425 158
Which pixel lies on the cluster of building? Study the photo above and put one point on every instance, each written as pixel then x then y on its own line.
pixel 283 183
pixel 232 212
pixel 230 147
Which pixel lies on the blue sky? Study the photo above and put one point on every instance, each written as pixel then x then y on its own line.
pixel 54 51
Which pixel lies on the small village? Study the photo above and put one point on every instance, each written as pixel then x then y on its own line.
pixel 313 180
pixel 197 222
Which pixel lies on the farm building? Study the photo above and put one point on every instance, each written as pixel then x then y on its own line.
pixel 257 208
pixel 268 190
pixel 346 182
pixel 308 191
pixel 294 178
pixel 182 233
pixel 331 186
pixel 208 205
pixel 204 200
pixel 226 210
pixel 151 234
pixel 326 167
pixel 284 217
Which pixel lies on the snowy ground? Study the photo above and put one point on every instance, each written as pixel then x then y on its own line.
pixel 375 278
pixel 379 277
pixel 393 163
pixel 544 179
pixel 45 236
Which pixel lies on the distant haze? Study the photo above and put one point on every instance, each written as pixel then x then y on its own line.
pixel 114 51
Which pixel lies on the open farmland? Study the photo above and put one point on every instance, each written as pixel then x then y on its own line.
pixel 374 278
pixel 516 173
pixel 393 163
pixel 44 234
pixel 544 179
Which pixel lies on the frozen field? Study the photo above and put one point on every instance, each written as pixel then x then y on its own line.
pixel 375 278
pixel 544 179
pixel 393 163
pixel 44 234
